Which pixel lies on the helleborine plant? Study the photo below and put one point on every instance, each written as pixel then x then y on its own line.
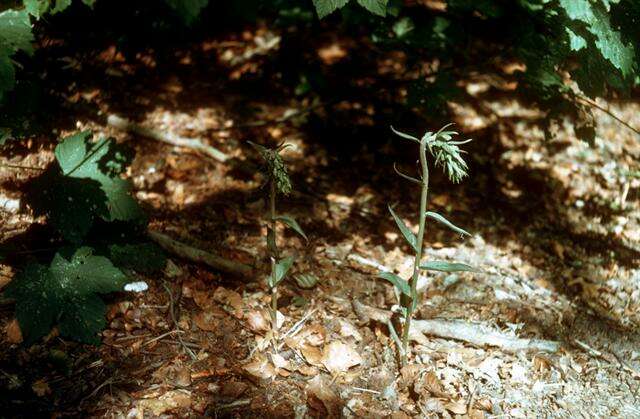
pixel 448 156
pixel 277 182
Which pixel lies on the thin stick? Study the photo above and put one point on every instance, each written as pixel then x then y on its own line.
pixel 594 104
pixel 474 334
pixel 175 322
pixel 162 336
pixel 365 390
pixel 198 255
pixel 123 124
pixel 296 327
pixel 18 166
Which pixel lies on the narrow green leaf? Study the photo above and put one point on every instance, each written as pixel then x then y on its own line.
pixel 405 136
pixel 400 284
pixel 291 222
pixel 441 219
pixel 282 267
pixel 408 234
pixel 442 266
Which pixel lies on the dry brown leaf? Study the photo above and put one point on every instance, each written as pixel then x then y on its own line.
pixel 409 374
pixel 339 357
pixel 168 401
pixel 315 335
pixel 208 321
pixel 257 321
pixel 202 299
pixel 182 377
pixel 331 54
pixel 280 362
pixel 260 367
pixel 457 407
pixel 14 334
pixel 399 415
pixel 41 388
pixel 347 329
pixel 320 388
pixel 432 384
pixel 308 370
pixel 233 389
pixel 475 414
pixel 229 298
pixel 312 355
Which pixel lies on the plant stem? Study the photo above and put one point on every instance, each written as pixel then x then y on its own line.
pixel 273 250
pixel 419 242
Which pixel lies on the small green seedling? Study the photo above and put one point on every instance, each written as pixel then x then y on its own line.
pixel 277 182
pixel 447 155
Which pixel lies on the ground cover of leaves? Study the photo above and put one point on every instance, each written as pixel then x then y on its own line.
pixel 555 229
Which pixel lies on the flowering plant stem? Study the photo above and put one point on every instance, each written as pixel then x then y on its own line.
pixel 273 255
pixel 411 302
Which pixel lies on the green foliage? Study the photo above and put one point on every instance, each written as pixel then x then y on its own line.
pixel 400 284
pixel 406 232
pixel 439 218
pixel 85 186
pixel 15 36
pixel 290 222
pixel 280 271
pixel 441 266
pixel 188 10
pixel 326 7
pixel 65 294
pixel 140 257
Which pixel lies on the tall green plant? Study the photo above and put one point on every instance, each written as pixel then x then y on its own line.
pixel 447 155
pixel 277 182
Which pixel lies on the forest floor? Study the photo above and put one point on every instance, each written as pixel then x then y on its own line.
pixel 555 231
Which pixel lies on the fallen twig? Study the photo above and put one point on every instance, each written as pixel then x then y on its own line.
pixel 477 335
pixel 198 255
pixel 124 124
pixel 480 335
pixel 172 312
pixel 598 354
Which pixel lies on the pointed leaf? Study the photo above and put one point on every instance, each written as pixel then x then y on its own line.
pixel 442 266
pixel 291 222
pixel 326 7
pixel 441 219
pixel 281 269
pixel 408 234
pixel 306 281
pixel 405 136
pixel 377 7
pixel 400 284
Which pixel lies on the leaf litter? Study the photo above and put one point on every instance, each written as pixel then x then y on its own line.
pixel 559 284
